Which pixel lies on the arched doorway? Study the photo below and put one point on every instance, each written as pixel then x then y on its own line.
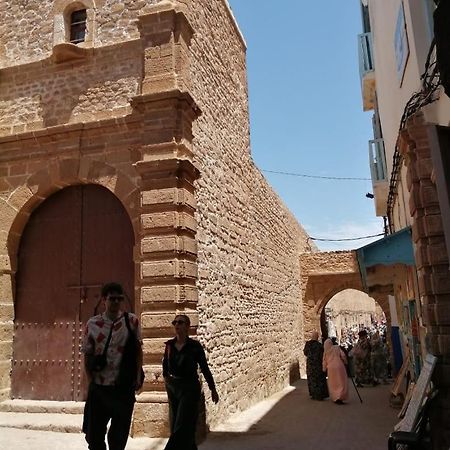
pixel 74 241
pixel 349 311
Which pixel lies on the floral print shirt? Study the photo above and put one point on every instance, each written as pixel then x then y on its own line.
pixel 95 337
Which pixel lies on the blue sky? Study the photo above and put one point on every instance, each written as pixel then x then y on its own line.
pixel 306 112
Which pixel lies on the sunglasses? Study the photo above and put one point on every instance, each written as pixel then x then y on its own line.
pixel 115 298
pixel 178 322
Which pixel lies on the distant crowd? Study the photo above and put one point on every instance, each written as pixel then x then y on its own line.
pixel 362 354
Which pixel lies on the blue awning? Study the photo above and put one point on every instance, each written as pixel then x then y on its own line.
pixel 396 248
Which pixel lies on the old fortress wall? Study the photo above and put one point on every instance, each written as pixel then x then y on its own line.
pixel 66 120
pixel 249 243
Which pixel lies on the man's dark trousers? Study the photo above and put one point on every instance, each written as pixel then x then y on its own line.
pixel 105 403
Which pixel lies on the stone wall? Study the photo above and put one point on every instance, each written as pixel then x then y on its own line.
pixel 72 122
pixel 46 94
pixel 27 28
pixel 250 315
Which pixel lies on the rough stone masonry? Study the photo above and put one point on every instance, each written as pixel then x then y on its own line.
pixel 153 106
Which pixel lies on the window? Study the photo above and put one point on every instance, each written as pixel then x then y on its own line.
pixel 78 26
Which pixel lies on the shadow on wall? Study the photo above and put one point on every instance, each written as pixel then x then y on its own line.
pixel 294 372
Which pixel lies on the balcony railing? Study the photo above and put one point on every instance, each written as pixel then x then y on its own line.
pixel 365 49
pixel 377 160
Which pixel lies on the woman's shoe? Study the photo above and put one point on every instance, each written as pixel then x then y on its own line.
pixel 339 402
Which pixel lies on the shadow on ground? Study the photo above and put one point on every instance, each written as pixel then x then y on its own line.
pixel 297 422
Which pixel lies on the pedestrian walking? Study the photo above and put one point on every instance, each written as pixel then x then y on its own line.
pixel 361 360
pixel 379 358
pixel 113 361
pixel 334 361
pixel 317 379
pixel 182 357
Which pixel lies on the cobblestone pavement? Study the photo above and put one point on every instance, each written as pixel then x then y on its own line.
pixel 288 420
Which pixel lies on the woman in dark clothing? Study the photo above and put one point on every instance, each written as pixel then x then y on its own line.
pixel 317 380
pixel 182 357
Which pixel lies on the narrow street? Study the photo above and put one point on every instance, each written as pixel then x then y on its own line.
pixel 296 422
pixel 288 420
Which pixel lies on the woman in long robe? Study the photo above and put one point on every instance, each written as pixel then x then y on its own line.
pixel 334 361
pixel 317 381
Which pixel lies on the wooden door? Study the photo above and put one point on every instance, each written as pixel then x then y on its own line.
pixel 75 241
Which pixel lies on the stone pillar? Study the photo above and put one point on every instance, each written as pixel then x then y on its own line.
pixel 166 247
pixel 432 262
pixel 166 35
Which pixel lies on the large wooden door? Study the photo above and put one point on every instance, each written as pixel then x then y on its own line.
pixel 75 241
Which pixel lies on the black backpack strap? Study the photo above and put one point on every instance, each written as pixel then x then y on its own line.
pixel 127 323
pixel 109 339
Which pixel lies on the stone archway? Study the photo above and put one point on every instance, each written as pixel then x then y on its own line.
pixel 324 274
pixel 75 240
pixel 348 310
pixel 26 197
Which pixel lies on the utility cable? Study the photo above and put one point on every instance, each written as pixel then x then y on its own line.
pixel 316 176
pixel 346 239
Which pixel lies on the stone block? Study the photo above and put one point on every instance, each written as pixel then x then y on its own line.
pixel 424 167
pixel 154 347
pixel 20 196
pixel 150 419
pixel 7 215
pixel 442 313
pixel 428 196
pixel 175 294
pixel 433 225
pixel 6 312
pixel 6 350
pixel 5 394
pixel 437 253
pixel 159 320
pixel 159 220
pixel 167 244
pixel 6 331
pixel 414 202
pixel 418 229
pixel 441 283
pixel 421 254
pixel 5 377
pixel 425 283
pixel 168 269
pixel 174 196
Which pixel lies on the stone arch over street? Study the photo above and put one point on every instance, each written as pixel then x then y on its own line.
pixel 324 274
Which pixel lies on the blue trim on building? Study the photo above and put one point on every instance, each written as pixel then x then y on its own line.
pixel 396 248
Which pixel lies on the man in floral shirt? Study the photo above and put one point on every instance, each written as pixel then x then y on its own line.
pixel 106 398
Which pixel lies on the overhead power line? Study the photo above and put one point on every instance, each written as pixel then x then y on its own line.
pixel 316 176
pixel 346 239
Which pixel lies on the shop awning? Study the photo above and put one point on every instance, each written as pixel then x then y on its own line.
pixel 396 248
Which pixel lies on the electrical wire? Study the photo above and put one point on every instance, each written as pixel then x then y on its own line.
pixel 346 239
pixel 316 176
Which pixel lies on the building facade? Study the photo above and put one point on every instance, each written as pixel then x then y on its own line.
pixel 401 57
pixel 124 155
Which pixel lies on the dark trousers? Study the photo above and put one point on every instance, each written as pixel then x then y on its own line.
pixel 105 403
pixel 183 413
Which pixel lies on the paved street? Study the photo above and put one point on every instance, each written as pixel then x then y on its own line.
pixel 288 420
